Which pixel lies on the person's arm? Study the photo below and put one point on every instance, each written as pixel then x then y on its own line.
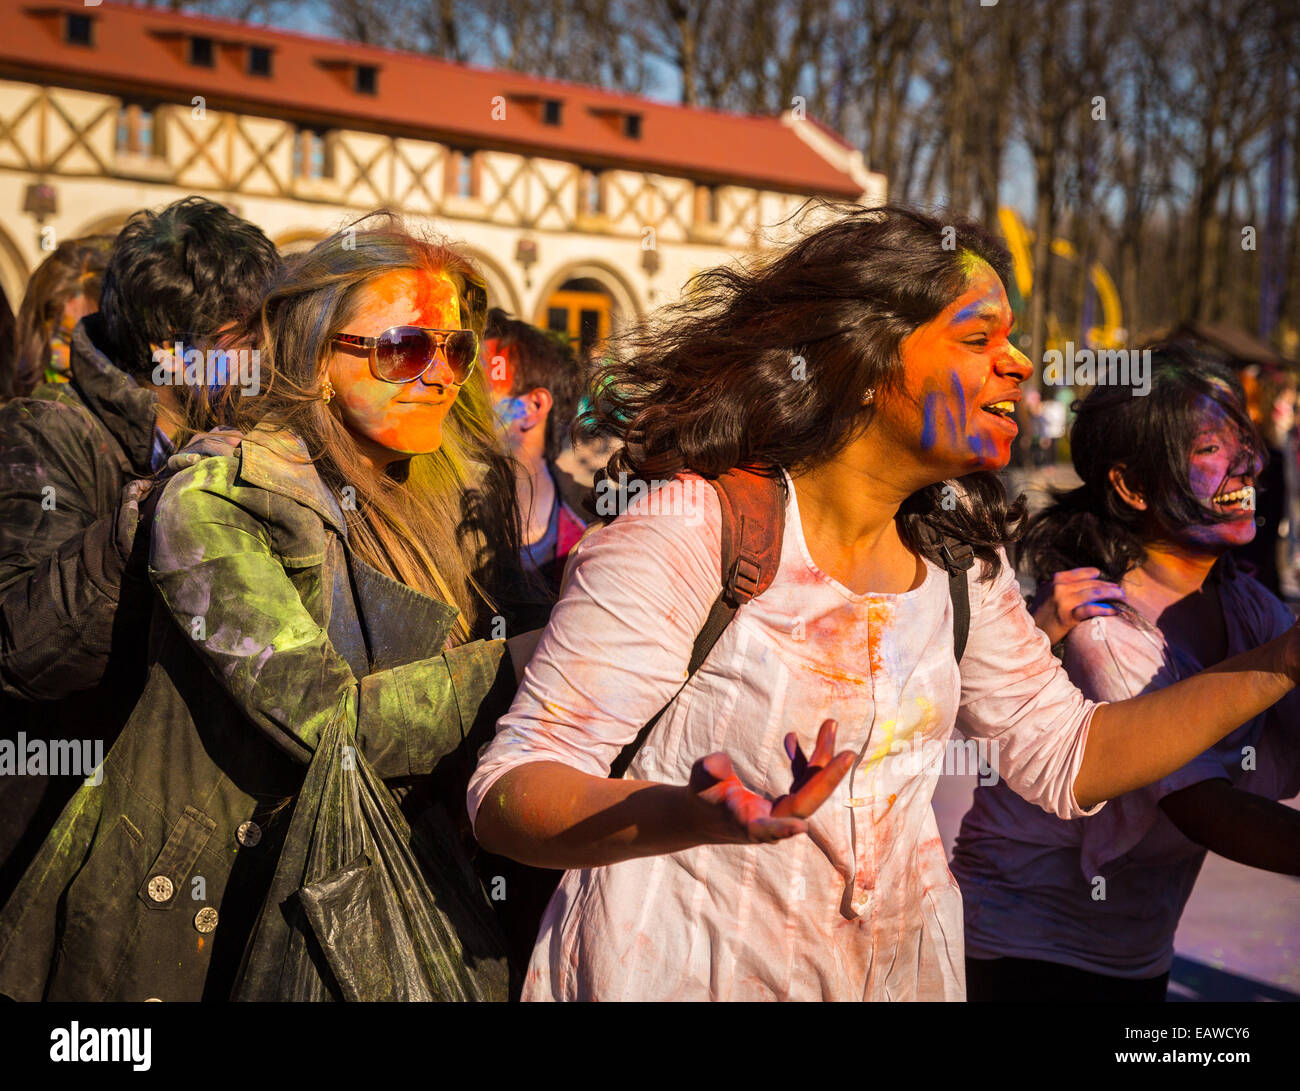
pixel 1135 742
pixel 1238 825
pixel 1068 753
pixel 212 563
pixel 616 649
pixel 551 815
pixel 63 564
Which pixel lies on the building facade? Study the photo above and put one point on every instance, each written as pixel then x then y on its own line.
pixel 584 208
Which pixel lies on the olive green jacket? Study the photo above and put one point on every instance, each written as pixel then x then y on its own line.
pixel 152 880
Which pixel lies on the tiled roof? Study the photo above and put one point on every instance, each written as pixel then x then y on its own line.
pixel 139 51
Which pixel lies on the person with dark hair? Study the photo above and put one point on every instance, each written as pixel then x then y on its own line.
pixel 312 568
pixel 869 369
pixel 1087 910
pixel 75 457
pixel 62 291
pixel 535 383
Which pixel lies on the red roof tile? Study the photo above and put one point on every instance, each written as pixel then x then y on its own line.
pixel 144 51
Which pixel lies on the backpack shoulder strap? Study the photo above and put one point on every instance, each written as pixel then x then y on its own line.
pixel 958 557
pixel 753 524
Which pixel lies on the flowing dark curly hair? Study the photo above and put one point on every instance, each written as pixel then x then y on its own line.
pixel 707 385
pixel 1151 437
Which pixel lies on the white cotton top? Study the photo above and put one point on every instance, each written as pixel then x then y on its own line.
pixel 1105 894
pixel 864 906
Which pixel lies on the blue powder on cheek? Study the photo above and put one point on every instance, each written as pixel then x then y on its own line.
pixel 510 410
pixel 930 430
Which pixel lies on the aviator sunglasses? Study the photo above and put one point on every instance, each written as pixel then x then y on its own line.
pixel 404 353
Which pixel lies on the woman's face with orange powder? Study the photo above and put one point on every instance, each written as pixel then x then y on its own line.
pixel 400 418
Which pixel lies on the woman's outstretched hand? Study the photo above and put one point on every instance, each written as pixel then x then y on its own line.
pixel 742 816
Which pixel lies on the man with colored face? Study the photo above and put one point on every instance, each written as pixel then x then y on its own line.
pixel 534 380
pixel 74 455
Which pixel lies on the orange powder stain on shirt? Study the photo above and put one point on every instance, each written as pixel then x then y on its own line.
pixel 893 798
pixel 880 620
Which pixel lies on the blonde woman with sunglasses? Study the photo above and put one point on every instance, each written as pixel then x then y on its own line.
pixel 364 481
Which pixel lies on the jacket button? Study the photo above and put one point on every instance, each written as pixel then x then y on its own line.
pixel 205 920
pixel 160 888
pixel 249 834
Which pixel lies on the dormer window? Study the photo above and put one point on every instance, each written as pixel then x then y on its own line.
pixel 552 111
pixel 632 126
pixel 79 29
pixel 259 61
pixel 367 79
pixel 201 52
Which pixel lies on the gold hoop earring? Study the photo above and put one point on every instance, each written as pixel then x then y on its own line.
pixel 327 391
pixel 869 395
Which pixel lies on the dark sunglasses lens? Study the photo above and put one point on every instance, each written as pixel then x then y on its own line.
pixel 403 354
pixel 462 348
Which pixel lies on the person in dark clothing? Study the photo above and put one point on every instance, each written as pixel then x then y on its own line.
pixel 312 570
pixel 75 459
pixel 535 382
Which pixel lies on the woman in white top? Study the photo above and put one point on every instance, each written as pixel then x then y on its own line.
pixel 871 365
pixel 1087 910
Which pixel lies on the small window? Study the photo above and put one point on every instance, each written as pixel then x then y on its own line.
pixel 591 192
pixel 461 176
pixel 201 52
pixel 259 61
pixel 632 126
pixel 462 173
pixel 311 155
pixel 551 111
pixel 367 79
pixel 707 207
pixel 135 130
pixel 79 29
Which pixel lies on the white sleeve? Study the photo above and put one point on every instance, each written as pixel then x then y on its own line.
pixel 619 641
pixel 1016 695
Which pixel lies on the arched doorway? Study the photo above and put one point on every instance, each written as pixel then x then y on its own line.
pixel 581 309
pixel 110 224
pixel 501 292
pixel 586 302
pixel 296 241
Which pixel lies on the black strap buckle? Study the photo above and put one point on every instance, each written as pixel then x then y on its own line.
pixel 957 557
pixel 743 581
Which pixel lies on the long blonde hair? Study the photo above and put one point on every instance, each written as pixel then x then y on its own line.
pixel 441 523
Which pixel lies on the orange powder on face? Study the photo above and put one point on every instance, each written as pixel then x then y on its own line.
pixel 435 304
pixel 405 418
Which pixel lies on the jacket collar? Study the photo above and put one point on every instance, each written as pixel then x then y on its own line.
pixel 278 460
pixel 126 408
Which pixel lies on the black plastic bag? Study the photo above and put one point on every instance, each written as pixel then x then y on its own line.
pixel 362 908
